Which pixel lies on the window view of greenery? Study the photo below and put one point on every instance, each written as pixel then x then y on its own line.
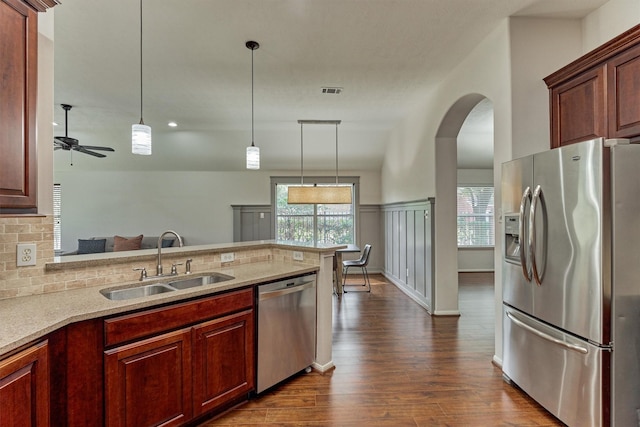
pixel 475 216
pixel 328 224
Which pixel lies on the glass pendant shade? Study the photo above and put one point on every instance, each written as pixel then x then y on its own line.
pixel 330 194
pixel 253 152
pixel 141 133
pixel 141 139
pixel 253 157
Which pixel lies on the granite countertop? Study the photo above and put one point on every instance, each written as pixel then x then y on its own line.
pixel 26 319
pixel 106 258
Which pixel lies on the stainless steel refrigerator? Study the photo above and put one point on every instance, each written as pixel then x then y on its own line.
pixel 571 281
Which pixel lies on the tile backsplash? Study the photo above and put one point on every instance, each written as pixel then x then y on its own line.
pixel 38 229
pixel 17 281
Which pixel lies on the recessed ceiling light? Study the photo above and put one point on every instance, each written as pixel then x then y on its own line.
pixel 54 123
pixel 172 124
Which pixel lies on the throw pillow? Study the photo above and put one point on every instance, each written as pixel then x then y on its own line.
pixel 125 244
pixel 167 243
pixel 86 246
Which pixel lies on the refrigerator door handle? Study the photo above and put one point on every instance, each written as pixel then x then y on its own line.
pixel 537 196
pixel 526 195
pixel 547 337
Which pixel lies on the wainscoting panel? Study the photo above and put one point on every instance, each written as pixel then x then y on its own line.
pixel 409 257
pixel 369 230
pixel 252 222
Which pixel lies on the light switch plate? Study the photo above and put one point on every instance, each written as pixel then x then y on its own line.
pixel 26 254
pixel 227 257
pixel 298 256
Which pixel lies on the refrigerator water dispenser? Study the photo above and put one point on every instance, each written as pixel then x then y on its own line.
pixel 512 238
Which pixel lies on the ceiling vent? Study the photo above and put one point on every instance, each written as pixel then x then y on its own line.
pixel 332 90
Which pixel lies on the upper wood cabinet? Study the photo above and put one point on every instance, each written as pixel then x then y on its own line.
pixel 18 92
pixel 19 71
pixel 578 108
pixel 598 95
pixel 623 83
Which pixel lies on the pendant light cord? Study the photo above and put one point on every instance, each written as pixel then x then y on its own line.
pixel 252 144
pixel 336 153
pixel 301 156
pixel 141 122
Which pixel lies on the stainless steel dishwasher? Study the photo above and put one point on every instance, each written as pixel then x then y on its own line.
pixel 286 329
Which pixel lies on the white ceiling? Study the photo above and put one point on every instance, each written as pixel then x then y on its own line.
pixel 385 54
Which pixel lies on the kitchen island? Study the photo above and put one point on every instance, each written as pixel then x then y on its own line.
pixel 72 321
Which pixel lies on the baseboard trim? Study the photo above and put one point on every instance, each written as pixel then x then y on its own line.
pixel 497 361
pixel 446 313
pixel 323 368
pixel 405 291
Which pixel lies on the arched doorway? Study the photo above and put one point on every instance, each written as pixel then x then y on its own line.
pixel 445 295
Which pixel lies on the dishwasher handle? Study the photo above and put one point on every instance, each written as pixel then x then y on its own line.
pixel 285 291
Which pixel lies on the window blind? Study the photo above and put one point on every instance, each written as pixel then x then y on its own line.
pixel 475 216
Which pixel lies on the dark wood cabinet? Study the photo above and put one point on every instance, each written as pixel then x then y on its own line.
pixel 223 367
pixel 19 71
pixel 578 108
pixel 24 388
pixel 167 365
pixel 148 383
pixel 598 95
pixel 623 83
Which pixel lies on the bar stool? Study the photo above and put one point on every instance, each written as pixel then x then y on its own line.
pixel 360 263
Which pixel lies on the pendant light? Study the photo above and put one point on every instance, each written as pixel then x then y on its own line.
pixel 141 133
pixel 313 194
pixel 253 152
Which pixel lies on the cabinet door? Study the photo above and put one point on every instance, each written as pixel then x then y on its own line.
pixel 578 110
pixel 623 76
pixel 148 383
pixel 18 68
pixel 223 360
pixel 24 388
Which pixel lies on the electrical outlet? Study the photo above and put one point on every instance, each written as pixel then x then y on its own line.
pixel 26 254
pixel 227 257
pixel 298 256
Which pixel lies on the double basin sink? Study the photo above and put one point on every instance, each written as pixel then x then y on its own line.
pixel 161 288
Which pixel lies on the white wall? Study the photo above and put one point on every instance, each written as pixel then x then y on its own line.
pixel 44 112
pixel 197 205
pixel 610 20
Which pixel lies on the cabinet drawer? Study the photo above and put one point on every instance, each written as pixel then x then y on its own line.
pixel 150 322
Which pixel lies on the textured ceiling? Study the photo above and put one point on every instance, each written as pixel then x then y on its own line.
pixel 385 54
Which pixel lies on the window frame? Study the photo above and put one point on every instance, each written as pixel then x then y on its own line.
pixel 57 218
pixel 295 180
pixel 491 216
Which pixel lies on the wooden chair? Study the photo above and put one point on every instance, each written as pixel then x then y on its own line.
pixel 359 263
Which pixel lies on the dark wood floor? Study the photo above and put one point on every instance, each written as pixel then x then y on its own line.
pixel 398 366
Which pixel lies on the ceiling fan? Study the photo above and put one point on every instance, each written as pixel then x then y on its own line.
pixel 68 144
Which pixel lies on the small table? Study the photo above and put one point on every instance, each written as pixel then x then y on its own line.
pixel 338 266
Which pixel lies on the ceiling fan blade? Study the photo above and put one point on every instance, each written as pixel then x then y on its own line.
pixel 85 151
pixel 66 140
pixel 91 147
pixel 57 147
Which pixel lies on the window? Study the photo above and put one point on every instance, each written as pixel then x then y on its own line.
pixel 328 224
pixel 57 232
pixel 475 216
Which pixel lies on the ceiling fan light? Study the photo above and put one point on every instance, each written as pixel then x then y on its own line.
pixel 141 139
pixel 253 157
